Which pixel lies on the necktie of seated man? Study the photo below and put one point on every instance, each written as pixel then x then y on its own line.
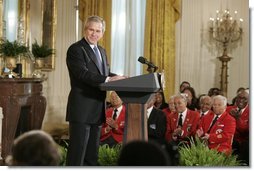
pixel 115 114
pixel 180 121
pixel 214 120
pixel 203 113
pixel 98 60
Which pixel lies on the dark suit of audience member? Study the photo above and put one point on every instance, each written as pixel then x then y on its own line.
pixel 156 122
pixel 157 125
pixel 241 138
pixel 113 129
pixel 218 128
pixel 88 68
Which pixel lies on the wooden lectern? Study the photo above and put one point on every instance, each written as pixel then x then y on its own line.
pixel 23 108
pixel 135 93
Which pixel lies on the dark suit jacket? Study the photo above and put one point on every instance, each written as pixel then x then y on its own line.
pixel 86 102
pixel 157 125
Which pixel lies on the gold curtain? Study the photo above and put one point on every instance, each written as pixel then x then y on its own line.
pixel 103 9
pixel 159 48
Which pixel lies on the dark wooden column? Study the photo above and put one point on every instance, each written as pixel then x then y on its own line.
pixel 23 108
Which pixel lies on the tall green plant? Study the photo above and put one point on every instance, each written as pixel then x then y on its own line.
pixel 198 154
pixel 109 156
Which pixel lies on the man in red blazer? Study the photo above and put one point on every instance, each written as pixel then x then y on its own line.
pixel 181 127
pixel 241 113
pixel 112 131
pixel 218 128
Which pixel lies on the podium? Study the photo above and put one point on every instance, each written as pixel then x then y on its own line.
pixel 23 108
pixel 135 92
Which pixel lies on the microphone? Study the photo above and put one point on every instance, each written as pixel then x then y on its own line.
pixel 145 61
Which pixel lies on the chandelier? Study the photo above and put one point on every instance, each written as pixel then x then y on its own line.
pixel 225 30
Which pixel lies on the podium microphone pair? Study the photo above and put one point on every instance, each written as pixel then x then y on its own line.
pixel 143 60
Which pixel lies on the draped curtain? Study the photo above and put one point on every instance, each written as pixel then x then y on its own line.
pixel 101 8
pixel 159 47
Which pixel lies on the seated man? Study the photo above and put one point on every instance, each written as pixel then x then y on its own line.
pixel 112 131
pixel 156 122
pixel 183 123
pixel 218 128
pixel 241 114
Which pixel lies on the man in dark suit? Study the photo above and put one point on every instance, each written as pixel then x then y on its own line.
pixel 156 123
pixel 88 68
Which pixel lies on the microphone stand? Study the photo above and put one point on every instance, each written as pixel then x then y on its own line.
pixel 151 69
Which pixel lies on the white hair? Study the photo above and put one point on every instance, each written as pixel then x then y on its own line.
pixel 221 98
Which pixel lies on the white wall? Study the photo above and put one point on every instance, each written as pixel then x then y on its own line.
pixel 57 86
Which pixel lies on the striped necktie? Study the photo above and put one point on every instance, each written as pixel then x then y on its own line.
pixel 98 59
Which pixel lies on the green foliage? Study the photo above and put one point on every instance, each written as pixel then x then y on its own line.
pixel 41 51
pixel 63 152
pixel 109 156
pixel 12 49
pixel 198 154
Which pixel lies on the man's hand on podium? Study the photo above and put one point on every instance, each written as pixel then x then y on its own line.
pixel 117 77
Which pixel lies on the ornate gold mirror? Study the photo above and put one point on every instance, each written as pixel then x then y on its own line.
pixel 35 21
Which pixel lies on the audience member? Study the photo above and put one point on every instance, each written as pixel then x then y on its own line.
pixel 205 105
pixel 241 138
pixel 214 92
pixel 156 122
pixel 199 97
pixel 192 102
pixel 142 153
pixel 34 148
pixel 183 85
pixel 112 131
pixel 218 128
pixel 171 107
pixel 160 102
pixel 238 91
pixel 168 111
pixel 183 123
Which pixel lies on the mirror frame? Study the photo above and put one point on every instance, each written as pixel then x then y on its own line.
pixel 48 26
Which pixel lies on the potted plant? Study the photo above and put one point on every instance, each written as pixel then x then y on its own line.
pixel 108 156
pixel 11 51
pixel 197 153
pixel 40 52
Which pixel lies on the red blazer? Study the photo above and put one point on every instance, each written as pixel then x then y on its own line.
pixel 199 122
pixel 117 134
pixel 222 132
pixel 242 125
pixel 189 126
